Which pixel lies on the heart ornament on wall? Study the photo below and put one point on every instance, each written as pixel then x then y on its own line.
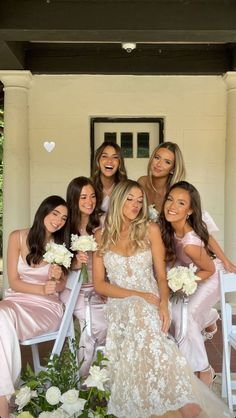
pixel 49 146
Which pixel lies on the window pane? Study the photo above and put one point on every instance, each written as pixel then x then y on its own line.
pixel 143 145
pixel 126 143
pixel 110 137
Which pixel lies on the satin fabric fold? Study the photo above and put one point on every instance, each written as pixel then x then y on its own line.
pixel 23 316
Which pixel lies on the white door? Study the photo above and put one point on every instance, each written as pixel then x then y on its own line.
pixel 136 139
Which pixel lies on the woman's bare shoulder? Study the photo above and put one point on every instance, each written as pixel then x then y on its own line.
pixel 153 229
pixel 143 180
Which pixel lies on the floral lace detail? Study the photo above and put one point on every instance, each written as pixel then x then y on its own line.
pixel 149 376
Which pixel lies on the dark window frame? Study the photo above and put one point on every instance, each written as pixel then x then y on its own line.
pixel 105 119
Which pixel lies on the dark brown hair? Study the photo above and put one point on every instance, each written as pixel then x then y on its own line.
pixel 195 220
pixel 120 174
pixel 74 216
pixel 37 233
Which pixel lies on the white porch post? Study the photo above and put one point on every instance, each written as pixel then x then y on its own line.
pixel 230 167
pixel 16 175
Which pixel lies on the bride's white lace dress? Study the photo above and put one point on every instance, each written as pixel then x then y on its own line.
pixel 148 374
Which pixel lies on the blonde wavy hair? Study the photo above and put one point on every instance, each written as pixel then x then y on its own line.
pixel 178 173
pixel 112 227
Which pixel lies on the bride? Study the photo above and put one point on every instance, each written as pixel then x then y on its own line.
pixel 148 375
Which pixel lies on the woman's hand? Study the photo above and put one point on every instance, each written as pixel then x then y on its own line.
pixel 81 258
pixel 151 298
pixel 55 272
pixel 164 317
pixel 229 266
pixel 50 287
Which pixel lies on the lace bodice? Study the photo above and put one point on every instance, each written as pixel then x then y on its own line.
pixel 132 272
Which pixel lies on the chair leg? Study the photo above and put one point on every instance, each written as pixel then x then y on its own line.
pixel 228 377
pixel 36 359
pixel 223 379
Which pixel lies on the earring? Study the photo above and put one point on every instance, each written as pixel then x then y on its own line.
pixel 172 172
pixel 187 216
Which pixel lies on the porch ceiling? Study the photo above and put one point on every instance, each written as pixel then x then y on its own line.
pixel 75 36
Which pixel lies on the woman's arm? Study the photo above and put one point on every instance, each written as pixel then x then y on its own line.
pixel 158 255
pixel 15 282
pixel 201 259
pixel 217 250
pixel 104 288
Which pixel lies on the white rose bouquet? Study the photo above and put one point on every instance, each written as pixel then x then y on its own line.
pixel 83 243
pixel 57 392
pixel 57 254
pixel 182 281
pixel 153 214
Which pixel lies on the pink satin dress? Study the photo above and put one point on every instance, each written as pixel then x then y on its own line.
pixel 200 307
pixel 90 312
pixel 23 316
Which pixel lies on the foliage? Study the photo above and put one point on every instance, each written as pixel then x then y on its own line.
pixel 59 392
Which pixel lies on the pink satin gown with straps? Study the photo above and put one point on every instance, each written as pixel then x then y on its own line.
pixel 22 316
pixel 200 307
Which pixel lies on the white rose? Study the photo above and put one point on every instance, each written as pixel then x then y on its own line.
pixel 83 243
pixel 53 395
pixel 97 377
pixel 58 413
pixel 189 287
pixel 44 415
pixel 71 403
pixel 23 396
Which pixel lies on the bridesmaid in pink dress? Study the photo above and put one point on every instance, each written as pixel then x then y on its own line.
pixel 108 171
pixel 165 168
pixel 31 306
pixel 186 240
pixel 83 219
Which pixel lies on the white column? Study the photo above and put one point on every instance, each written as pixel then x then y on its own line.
pixel 230 167
pixel 16 171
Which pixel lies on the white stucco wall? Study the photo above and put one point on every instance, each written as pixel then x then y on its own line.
pixel 194 108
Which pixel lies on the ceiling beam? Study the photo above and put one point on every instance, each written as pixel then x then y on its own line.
pixel 117 21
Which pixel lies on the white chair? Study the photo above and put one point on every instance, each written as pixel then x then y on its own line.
pixel 227 285
pixel 66 328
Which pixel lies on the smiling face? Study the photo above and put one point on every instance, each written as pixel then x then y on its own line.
pixel 55 219
pixel 177 206
pixel 87 200
pixel 133 204
pixel 109 161
pixel 162 163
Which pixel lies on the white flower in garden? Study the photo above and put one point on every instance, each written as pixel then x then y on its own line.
pixel 153 214
pixel 53 395
pixel 97 377
pixel 83 243
pixel 44 415
pixel 58 413
pixel 71 403
pixel 24 396
pixel 57 254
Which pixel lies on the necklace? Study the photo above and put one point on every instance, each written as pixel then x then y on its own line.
pixel 108 191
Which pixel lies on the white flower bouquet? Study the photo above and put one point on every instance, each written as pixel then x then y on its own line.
pixel 57 393
pixel 153 214
pixel 57 254
pixel 83 243
pixel 182 281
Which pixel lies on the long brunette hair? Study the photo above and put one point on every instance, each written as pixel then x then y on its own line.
pixel 73 193
pixel 120 174
pixel 194 220
pixel 37 234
